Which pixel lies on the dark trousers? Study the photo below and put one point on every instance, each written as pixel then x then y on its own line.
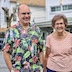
pixel 49 70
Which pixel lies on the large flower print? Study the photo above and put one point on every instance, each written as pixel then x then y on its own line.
pixel 17 42
pixel 35 40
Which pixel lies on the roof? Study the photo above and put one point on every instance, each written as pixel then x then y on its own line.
pixel 33 2
pixel 2 29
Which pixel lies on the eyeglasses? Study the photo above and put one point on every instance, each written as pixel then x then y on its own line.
pixel 24 13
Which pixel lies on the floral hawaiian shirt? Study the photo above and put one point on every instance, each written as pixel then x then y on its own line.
pixel 24 46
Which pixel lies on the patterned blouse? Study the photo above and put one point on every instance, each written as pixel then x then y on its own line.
pixel 23 46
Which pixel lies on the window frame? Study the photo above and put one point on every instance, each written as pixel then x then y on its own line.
pixel 67 6
pixel 57 8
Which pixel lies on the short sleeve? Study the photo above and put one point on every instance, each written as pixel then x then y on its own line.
pixel 40 40
pixel 48 41
pixel 8 42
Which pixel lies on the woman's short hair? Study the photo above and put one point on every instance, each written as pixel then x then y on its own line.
pixel 58 17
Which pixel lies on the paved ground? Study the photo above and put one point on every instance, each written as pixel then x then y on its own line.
pixel 3 67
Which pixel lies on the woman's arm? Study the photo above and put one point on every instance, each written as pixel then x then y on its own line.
pixel 41 57
pixel 46 58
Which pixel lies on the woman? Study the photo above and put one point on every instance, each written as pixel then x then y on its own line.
pixel 58 56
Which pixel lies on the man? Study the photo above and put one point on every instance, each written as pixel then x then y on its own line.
pixel 24 43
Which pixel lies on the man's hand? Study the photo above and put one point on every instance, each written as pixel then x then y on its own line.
pixel 35 59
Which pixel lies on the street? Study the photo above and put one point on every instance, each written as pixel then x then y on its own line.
pixel 3 67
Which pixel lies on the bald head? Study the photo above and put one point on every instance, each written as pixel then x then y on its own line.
pixel 24 14
pixel 22 6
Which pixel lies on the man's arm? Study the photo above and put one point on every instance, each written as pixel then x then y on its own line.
pixel 7 60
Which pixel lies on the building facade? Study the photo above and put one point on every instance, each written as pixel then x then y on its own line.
pixel 37 8
pixel 42 13
pixel 54 7
pixel 58 7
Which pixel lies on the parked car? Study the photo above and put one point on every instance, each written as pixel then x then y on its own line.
pixel 1 43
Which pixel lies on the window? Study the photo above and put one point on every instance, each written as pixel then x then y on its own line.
pixel 67 7
pixel 62 7
pixel 56 8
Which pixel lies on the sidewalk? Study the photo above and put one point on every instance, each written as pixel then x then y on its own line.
pixel 3 67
